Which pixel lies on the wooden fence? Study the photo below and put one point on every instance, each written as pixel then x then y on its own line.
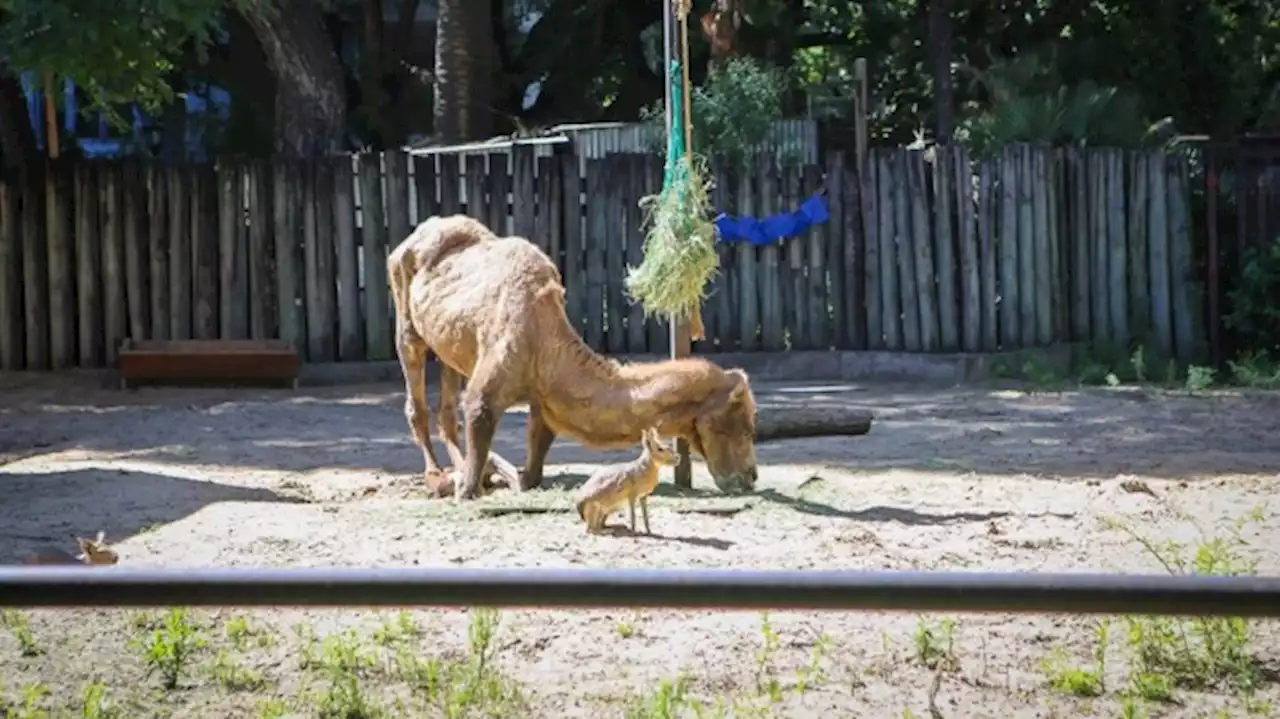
pixel 921 253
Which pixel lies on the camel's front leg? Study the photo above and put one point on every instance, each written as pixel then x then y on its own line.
pixel 537 443
pixel 483 403
pixel 447 421
pixel 412 352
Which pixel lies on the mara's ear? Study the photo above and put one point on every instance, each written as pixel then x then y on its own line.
pixel 741 384
pixel 84 544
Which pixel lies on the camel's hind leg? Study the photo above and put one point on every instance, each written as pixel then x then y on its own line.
pixel 412 352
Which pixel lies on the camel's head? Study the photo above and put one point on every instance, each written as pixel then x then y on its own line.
pixel 724 433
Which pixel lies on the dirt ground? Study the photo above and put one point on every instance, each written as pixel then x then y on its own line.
pixel 975 478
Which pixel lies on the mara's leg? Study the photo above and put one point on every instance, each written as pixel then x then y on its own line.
pixel 412 352
pixel 631 514
pixel 537 442
pixel 644 513
pixel 483 403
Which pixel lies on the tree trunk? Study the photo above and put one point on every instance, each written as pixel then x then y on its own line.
pixel 940 57
pixel 18 145
pixel 464 71
pixel 311 96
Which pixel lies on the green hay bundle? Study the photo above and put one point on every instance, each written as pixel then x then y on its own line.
pixel 679 245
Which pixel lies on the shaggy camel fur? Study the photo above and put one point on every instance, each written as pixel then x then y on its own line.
pixel 92 551
pixel 492 310
pixel 615 485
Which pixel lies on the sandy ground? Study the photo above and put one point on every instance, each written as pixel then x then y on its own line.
pixel 950 478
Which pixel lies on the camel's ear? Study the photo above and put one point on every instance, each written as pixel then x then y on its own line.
pixel 740 384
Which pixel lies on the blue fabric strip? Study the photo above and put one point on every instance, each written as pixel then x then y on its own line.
pixel 774 228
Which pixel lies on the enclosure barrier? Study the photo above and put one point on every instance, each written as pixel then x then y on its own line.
pixel 723 589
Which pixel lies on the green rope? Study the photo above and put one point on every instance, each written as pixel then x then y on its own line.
pixel 675 132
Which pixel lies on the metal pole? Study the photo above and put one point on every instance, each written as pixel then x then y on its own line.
pixel 722 589
pixel 681 346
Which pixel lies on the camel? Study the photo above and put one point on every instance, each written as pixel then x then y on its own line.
pixel 492 311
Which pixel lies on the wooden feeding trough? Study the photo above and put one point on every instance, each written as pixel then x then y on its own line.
pixel 208 361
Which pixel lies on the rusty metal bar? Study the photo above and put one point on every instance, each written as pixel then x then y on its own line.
pixel 723 589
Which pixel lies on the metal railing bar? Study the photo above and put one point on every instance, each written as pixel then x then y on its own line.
pixel 724 589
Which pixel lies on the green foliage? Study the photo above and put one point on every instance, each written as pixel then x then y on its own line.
pixel 1255 311
pixel 733 113
pixel 170 649
pixel 118 51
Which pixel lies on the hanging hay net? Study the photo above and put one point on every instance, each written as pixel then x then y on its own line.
pixel 680 242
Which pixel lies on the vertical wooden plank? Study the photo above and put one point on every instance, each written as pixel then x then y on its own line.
pixel 88 243
pixel 1010 326
pixel 717 309
pixel 285 195
pixel 1027 289
pixel 450 182
pixel 321 283
pixel 632 184
pixel 839 245
pixel 908 290
pixel 858 248
pixel 477 188
pixel 158 249
pixel 945 180
pixel 1118 270
pixel 11 331
pixel 922 246
pixel 867 179
pixel 772 324
pixel 524 198
pixel 794 290
pixel 180 279
pixel 374 246
pixel 817 316
pixel 1158 254
pixel 35 273
pixel 546 218
pixel 614 253
pixel 1100 252
pixel 1040 248
pixel 572 267
pixel 133 201
pixel 749 300
pixel 889 199
pixel 230 267
pixel 498 182
pixel 659 327
pixel 1082 250
pixel 1057 258
pixel 598 221
pixel 1187 325
pixel 1139 287
pixel 988 253
pixel 424 181
pixel 396 163
pixel 262 287
pixel 115 310
pixel 351 331
pixel 970 265
pixel 59 206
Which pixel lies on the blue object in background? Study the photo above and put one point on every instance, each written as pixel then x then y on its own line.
pixel 775 227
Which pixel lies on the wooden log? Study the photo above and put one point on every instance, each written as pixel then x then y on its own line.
pixel 1139 286
pixel 181 282
pixel 11 331
pixel 615 253
pixel 909 291
pixel 598 221
pixel 774 423
pixel 133 201
pixel 59 196
pixel 631 185
pixel 747 262
pixel 263 314
pixel 970 264
pixel 659 328
pixel 88 243
pixel 922 243
pixel 498 189
pixel 1027 288
pixel 286 198
pixel 772 324
pixel 945 181
pixel 889 202
pixel 1042 248
pixel 1082 250
pixel 158 250
pixel 988 253
pixel 351 330
pixel 524 198
pixel 115 309
pixel 374 246
pixel 821 237
pixel 1010 326
pixel 573 265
